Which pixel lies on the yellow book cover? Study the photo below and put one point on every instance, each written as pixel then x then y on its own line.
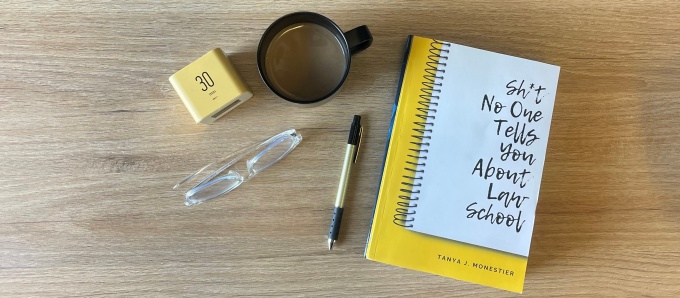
pixel 392 238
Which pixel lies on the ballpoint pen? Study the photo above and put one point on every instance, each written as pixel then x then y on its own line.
pixel 353 143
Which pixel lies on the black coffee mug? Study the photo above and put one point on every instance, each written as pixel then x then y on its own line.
pixel 304 57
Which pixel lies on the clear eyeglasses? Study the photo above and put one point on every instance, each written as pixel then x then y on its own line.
pixel 225 175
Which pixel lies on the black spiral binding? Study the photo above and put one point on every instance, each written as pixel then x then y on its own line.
pixel 420 141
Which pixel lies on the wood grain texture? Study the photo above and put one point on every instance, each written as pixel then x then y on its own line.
pixel 93 136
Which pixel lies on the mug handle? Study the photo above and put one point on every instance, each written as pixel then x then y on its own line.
pixel 358 39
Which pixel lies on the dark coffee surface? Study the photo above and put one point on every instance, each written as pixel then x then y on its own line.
pixel 305 62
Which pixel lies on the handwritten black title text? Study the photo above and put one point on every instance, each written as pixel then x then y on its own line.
pixel 515 116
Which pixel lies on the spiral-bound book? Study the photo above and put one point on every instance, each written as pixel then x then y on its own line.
pixel 464 162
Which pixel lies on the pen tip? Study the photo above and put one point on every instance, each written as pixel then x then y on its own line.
pixel 330 244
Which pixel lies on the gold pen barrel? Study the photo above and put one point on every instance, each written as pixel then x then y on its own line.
pixel 344 176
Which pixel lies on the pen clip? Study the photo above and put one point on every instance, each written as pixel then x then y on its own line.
pixel 361 133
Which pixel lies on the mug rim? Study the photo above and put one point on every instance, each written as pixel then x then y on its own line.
pixel 345 50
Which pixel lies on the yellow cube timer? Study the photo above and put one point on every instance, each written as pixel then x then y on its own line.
pixel 210 87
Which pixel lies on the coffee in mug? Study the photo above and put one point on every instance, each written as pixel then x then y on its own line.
pixel 305 58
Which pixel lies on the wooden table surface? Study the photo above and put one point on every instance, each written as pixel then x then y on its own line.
pixel 93 137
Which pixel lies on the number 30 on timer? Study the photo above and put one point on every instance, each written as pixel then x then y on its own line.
pixel 205 80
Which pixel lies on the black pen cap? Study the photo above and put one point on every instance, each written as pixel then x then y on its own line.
pixel 355 131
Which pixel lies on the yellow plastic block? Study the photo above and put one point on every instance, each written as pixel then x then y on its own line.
pixel 210 87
